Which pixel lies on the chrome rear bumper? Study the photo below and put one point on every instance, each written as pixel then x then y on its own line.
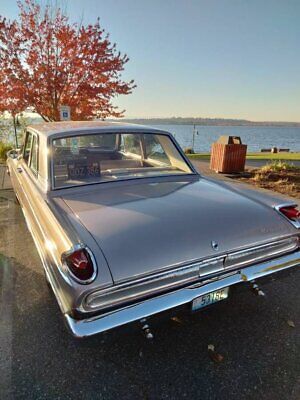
pixel 146 308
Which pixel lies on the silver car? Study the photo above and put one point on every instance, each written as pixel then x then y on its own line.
pixel 126 228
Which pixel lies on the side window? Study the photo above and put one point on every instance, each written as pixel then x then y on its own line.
pixel 27 147
pixel 154 150
pixel 30 152
pixel 34 154
pixel 131 144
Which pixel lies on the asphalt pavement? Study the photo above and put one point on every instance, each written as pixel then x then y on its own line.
pixel 258 338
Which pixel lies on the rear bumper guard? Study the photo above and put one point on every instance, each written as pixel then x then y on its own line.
pixel 146 308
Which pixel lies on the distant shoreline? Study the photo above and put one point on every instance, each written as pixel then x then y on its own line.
pixel 208 122
pixel 182 121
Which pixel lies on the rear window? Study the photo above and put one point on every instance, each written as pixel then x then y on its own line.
pixel 84 159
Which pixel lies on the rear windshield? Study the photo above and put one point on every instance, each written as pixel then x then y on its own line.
pixel 84 159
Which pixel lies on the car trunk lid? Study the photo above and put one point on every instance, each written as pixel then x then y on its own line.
pixel 144 227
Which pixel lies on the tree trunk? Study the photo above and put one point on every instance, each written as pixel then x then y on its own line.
pixel 15 129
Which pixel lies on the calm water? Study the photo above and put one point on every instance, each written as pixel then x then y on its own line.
pixel 256 138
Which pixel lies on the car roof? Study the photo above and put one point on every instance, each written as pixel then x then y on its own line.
pixel 65 128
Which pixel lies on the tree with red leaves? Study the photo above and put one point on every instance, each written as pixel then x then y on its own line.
pixel 46 62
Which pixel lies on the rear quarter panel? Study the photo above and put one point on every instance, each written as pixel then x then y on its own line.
pixel 54 232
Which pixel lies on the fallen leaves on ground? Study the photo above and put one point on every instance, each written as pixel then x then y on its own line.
pixel 283 178
pixel 291 323
pixel 214 356
pixel 176 319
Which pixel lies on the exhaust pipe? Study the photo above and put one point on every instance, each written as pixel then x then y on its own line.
pixel 146 329
pixel 257 290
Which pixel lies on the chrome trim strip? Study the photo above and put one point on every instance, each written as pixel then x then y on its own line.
pixel 101 323
pixel 262 252
pixel 179 265
pixel 184 275
pixel 277 208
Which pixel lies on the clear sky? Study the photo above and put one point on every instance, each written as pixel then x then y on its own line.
pixel 209 58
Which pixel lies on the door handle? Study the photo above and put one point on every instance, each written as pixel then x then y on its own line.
pixel 19 169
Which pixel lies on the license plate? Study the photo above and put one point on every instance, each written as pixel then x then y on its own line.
pixel 210 298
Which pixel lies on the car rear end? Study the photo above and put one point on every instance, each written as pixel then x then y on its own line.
pixel 194 285
pixel 129 264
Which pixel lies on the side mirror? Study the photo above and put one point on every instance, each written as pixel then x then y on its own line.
pixel 14 153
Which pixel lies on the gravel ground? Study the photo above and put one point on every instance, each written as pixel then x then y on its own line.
pixel 40 360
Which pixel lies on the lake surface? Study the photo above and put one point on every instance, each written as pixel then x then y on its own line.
pixel 256 137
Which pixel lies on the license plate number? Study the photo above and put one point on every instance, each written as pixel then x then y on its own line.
pixel 210 298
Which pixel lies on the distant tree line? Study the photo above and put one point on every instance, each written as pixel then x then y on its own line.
pixel 207 122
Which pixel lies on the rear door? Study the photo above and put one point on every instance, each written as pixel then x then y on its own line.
pixel 27 174
pixel 18 167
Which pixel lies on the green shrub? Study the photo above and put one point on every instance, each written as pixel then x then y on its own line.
pixel 278 166
pixel 4 148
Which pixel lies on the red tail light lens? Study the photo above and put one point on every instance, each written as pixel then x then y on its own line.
pixel 80 265
pixel 291 212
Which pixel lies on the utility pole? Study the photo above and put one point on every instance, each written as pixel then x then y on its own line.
pixel 194 133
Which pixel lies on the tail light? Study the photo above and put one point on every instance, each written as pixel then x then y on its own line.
pixel 80 265
pixel 292 213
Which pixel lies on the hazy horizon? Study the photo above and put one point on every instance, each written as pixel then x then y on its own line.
pixel 33 115
pixel 205 117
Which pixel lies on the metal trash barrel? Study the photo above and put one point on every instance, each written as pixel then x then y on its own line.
pixel 228 155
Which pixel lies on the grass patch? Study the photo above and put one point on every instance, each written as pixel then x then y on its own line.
pixel 4 148
pixel 272 156
pixel 254 156
pixel 199 156
pixel 278 166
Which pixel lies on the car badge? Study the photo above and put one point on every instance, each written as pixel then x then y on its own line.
pixel 215 245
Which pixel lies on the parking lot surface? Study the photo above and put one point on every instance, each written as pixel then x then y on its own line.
pixel 258 338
